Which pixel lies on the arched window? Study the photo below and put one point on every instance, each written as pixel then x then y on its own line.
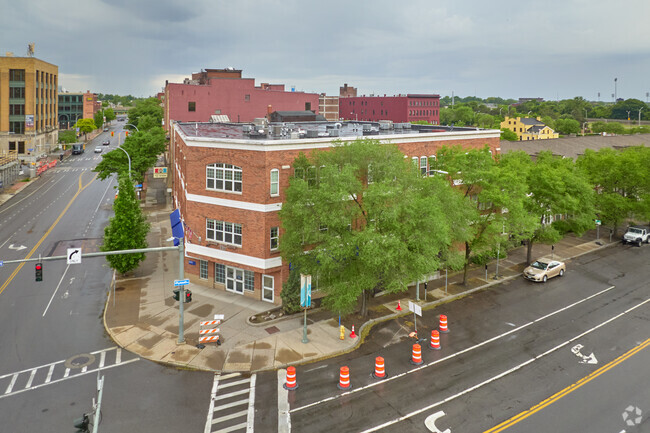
pixel 223 177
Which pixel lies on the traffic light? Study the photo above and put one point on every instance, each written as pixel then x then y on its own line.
pixel 39 271
pixel 112 133
pixel 188 295
pixel 127 133
pixel 82 423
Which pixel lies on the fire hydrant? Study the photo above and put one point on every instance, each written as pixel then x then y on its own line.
pixel 342 337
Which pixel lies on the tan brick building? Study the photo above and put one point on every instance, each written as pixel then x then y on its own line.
pixel 28 106
pixel 229 182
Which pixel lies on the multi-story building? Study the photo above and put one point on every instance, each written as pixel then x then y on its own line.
pixel 528 128
pixel 399 108
pixel 77 105
pixel 28 106
pixel 328 106
pixel 229 182
pixel 225 92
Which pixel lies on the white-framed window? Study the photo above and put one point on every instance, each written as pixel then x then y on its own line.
pixel 249 281
pixel 423 165
pixel 203 269
pixel 223 177
pixel 275 182
pixel 267 288
pixel 222 231
pixel 275 238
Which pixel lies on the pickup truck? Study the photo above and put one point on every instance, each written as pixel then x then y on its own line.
pixel 637 235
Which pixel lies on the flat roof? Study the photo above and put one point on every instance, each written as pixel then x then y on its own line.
pixel 302 130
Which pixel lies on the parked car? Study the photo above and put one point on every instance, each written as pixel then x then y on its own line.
pixel 98 150
pixel 637 235
pixel 105 129
pixel 106 143
pixel 543 269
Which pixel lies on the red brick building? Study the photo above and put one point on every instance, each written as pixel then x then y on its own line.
pixel 229 182
pixel 225 92
pixel 400 108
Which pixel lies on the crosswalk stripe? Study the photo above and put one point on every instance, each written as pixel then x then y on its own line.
pixel 11 385
pixel 250 417
pixel 102 359
pixel 231 428
pixel 232 394
pixel 229 417
pixel 49 374
pixel 229 405
pixel 31 379
pixel 239 382
pixel 67 372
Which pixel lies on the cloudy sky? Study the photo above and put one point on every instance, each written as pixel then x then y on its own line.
pixel 551 49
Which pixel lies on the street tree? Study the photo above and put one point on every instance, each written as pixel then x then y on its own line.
pixel 126 230
pixel 146 107
pixel 68 136
pixel 110 115
pixel 98 117
pixel 567 126
pixel 495 196
pixel 85 126
pixel 143 147
pixel 363 219
pixel 556 187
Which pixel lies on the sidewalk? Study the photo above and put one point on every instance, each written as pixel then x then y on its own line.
pixel 143 317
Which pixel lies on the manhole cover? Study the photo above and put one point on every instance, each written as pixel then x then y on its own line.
pixel 80 361
pixel 272 329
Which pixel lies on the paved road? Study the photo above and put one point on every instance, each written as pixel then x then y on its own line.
pixel 53 342
pixel 508 349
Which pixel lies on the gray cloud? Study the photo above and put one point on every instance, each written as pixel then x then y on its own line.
pixel 557 48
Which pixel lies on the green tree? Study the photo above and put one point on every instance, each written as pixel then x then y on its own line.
pixel 85 126
pixel 367 219
pixel 109 113
pixel 508 134
pixel 290 293
pixel 567 126
pixel 146 107
pixel 68 136
pixel 495 195
pixel 556 187
pixel 620 109
pixel 143 147
pixel 126 230
pixel 98 117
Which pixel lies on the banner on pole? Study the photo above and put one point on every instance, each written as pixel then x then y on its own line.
pixel 305 291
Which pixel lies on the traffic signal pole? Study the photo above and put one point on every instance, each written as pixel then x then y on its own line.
pixel 181 300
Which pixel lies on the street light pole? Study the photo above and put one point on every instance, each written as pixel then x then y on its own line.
pixel 640 115
pixel 181 300
pixel 127 155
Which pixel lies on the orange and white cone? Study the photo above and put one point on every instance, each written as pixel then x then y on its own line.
pixel 291 379
pixel 344 379
pixel 380 371
pixel 399 306
pixel 435 340
pixel 443 324
pixel 352 334
pixel 416 358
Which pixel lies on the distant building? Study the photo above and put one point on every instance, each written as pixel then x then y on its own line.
pixel 347 92
pixel 328 107
pixel 77 105
pixel 529 128
pixel 225 92
pixel 400 108
pixel 28 106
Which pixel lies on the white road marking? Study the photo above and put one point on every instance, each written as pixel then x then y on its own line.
pixel 118 355
pixel 208 421
pixel 11 384
pixel 102 359
pixel 57 288
pixel 244 407
pixel 31 378
pixel 453 355
pixel 250 417
pixel 507 372
pixel 430 422
pixel 49 374
pixel 284 420
pixel 110 182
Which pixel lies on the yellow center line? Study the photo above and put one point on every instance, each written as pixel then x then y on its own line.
pixel 566 391
pixel 38 244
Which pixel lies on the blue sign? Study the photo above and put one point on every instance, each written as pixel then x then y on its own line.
pixel 177 226
pixel 184 282
pixel 305 291
pixel 191 262
pixel 1 263
pixel 139 185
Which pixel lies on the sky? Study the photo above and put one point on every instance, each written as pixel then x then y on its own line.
pixel 553 49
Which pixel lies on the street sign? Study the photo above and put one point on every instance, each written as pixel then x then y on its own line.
pixel 191 262
pixel 219 316
pixel 1 263
pixel 139 185
pixel 597 222
pixel 74 256
pixel 184 282
pixel 177 226
pixel 159 172
pixel 305 290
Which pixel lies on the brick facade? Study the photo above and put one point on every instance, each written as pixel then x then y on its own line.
pixel 254 208
pixel 400 108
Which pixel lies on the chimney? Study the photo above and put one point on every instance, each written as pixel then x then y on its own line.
pixel 269 110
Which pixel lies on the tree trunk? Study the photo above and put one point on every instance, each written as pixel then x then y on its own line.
pixel 467 254
pixel 529 251
pixel 364 303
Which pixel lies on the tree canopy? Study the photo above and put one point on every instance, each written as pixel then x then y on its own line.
pixel 367 219
pixel 147 107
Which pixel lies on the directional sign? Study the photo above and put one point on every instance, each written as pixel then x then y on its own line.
pixel 191 262
pixel 597 222
pixel 184 282
pixel 415 308
pixel 74 256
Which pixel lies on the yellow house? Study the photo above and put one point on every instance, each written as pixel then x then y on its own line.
pixel 528 128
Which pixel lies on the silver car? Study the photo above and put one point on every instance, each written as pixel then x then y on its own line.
pixel 543 269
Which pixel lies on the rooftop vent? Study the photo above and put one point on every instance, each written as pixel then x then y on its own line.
pixel 312 133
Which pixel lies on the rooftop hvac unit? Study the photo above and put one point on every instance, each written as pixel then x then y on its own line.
pixel 295 135
pixel 398 126
pixel 367 127
pixel 247 128
pixel 335 132
pixel 407 125
pixel 312 133
pixel 384 126
pixel 276 130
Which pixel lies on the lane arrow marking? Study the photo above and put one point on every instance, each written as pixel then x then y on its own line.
pixel 430 422
pixel 591 359
pixel 18 248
